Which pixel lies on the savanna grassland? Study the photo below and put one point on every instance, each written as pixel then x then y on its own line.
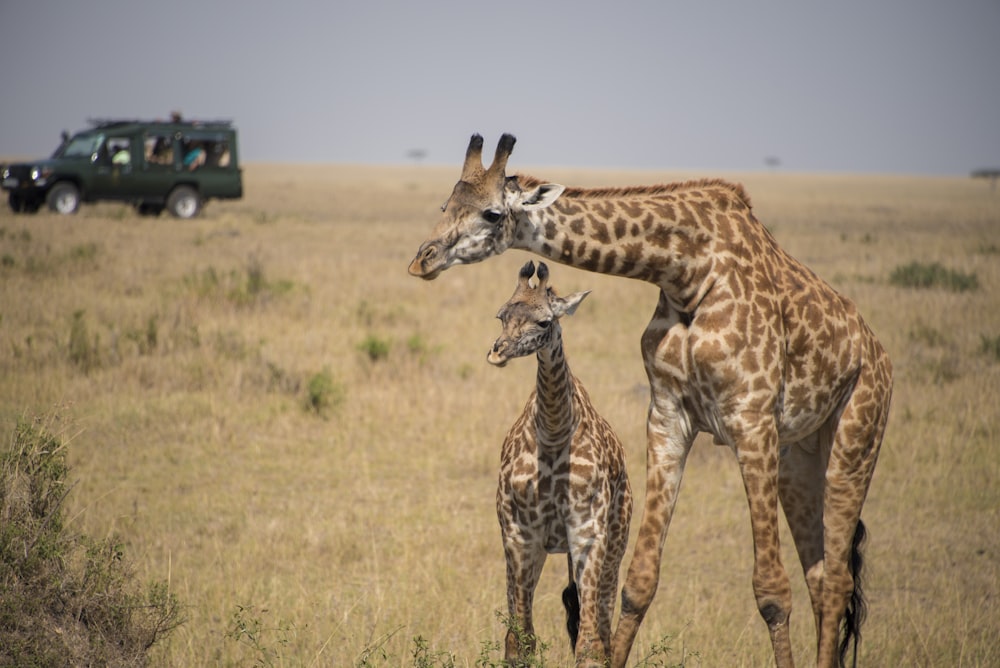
pixel 302 441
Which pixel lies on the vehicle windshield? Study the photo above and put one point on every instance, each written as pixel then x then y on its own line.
pixel 81 146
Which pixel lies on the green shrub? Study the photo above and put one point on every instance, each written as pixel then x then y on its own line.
pixel 241 288
pixel 990 346
pixel 375 347
pixel 84 252
pixel 933 275
pixel 247 628
pixel 923 333
pixel 68 600
pixel 323 393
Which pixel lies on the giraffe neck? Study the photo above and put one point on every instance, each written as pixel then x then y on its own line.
pixel 555 418
pixel 669 235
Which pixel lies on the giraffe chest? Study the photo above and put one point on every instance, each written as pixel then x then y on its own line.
pixel 541 496
pixel 534 495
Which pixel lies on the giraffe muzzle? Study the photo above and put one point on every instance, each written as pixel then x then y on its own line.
pixel 427 263
pixel 495 357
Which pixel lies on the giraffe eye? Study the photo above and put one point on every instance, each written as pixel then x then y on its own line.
pixel 544 324
pixel 492 216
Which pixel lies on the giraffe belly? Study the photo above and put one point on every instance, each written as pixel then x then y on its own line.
pixel 804 410
pixel 556 541
pixel 793 431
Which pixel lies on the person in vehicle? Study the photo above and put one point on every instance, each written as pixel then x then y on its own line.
pixel 120 155
pixel 195 156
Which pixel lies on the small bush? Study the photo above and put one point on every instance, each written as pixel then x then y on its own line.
pixel 84 252
pixel 247 628
pixel 241 288
pixel 145 339
pixel 375 347
pixel 990 346
pixel 68 600
pixel 323 393
pixel 661 655
pixel 425 657
pixel 933 275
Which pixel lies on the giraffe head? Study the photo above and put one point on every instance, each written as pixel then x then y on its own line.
pixel 480 216
pixel 530 317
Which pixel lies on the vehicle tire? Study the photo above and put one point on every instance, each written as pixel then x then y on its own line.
pixel 184 202
pixel 147 209
pixel 64 198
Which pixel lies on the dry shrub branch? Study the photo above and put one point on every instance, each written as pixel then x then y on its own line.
pixel 68 599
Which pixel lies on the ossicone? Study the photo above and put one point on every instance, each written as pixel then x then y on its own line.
pixel 472 170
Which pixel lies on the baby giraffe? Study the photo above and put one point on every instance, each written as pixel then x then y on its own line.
pixel 563 485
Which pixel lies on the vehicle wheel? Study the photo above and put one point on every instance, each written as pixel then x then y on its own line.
pixel 63 198
pixel 184 202
pixel 147 209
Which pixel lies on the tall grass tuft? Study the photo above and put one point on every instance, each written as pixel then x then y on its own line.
pixel 245 288
pixel 83 351
pixel 990 347
pixel 933 275
pixel 68 600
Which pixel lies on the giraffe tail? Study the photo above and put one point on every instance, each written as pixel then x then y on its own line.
pixel 571 601
pixel 857 606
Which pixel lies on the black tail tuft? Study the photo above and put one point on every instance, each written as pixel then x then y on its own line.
pixel 571 601
pixel 857 607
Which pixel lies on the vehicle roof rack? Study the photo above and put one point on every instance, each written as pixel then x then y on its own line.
pixel 101 123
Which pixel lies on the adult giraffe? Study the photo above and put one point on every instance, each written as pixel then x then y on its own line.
pixel 745 343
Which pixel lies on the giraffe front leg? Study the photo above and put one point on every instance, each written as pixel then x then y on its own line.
pixel 668 445
pixel 588 550
pixel 524 567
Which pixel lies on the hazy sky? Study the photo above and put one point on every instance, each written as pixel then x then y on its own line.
pixel 899 86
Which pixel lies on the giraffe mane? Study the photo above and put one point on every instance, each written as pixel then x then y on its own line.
pixel 527 181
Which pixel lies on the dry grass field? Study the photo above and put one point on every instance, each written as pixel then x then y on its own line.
pixel 303 440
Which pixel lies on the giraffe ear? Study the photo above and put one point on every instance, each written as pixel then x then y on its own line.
pixel 541 197
pixel 567 305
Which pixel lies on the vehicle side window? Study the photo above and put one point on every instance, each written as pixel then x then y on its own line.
pixel 159 149
pixel 209 153
pixel 80 146
pixel 119 150
pixel 219 155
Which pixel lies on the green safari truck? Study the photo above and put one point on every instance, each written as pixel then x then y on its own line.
pixel 176 165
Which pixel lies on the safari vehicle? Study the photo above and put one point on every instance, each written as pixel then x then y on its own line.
pixel 176 165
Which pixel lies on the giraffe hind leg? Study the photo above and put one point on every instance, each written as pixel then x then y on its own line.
pixel 801 473
pixel 849 472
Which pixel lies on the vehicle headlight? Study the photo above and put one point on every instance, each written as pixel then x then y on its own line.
pixel 40 173
pixel 6 173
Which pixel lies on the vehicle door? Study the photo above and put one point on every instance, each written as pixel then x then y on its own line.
pixel 156 173
pixel 208 159
pixel 114 168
